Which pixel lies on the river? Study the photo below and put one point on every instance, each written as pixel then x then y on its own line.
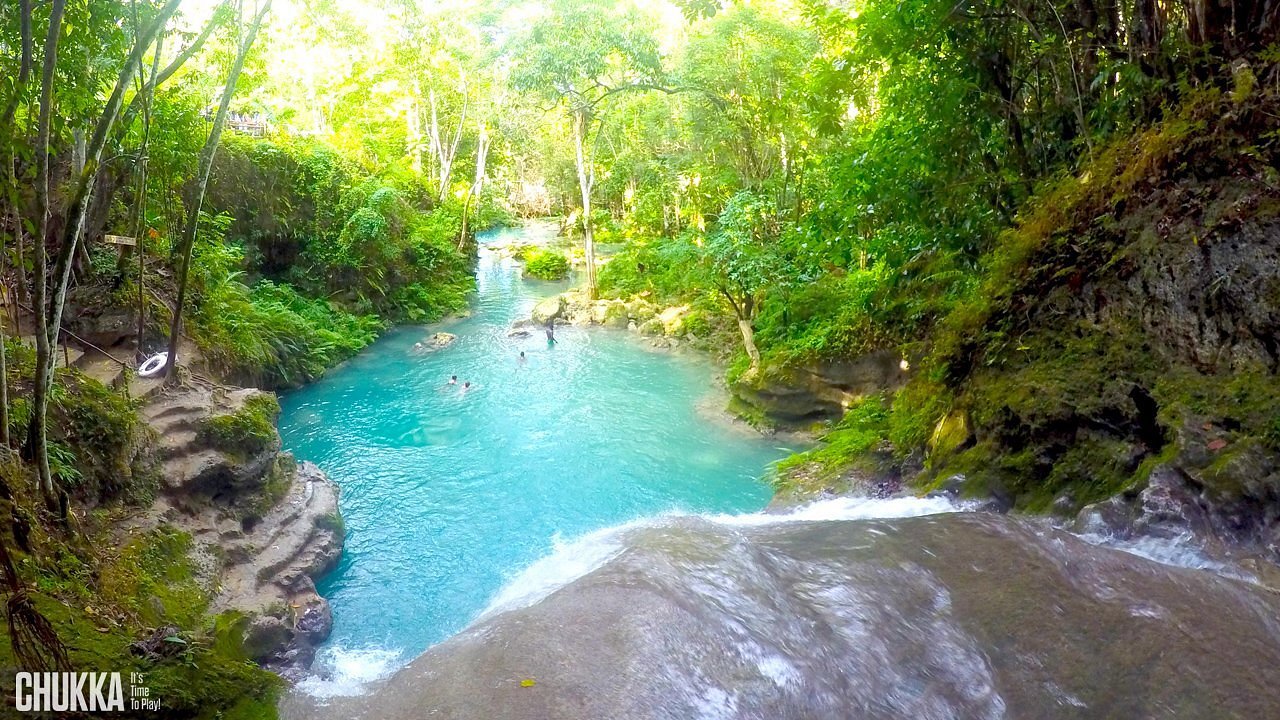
pixel 448 494
pixel 577 541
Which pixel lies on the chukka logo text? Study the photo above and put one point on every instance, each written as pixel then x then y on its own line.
pixel 68 692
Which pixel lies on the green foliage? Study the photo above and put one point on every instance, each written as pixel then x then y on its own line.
pixel 574 47
pixel 860 431
pixel 270 333
pixel 373 243
pixel 546 264
pixel 247 431
pixel 662 266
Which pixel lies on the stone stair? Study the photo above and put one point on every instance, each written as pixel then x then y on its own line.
pixel 260 561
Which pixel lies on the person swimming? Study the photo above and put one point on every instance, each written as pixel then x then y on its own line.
pixel 522 359
pixel 453 379
pixel 466 387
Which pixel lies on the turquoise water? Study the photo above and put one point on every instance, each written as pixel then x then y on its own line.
pixel 447 496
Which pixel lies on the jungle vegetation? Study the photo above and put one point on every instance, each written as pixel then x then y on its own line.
pixel 817 178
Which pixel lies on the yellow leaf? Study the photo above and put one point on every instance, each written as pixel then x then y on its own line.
pixel 527 682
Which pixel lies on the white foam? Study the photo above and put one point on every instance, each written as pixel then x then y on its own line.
pixel 846 508
pixel 576 558
pixel 567 562
pixel 344 672
pixel 1181 551
pixel 347 672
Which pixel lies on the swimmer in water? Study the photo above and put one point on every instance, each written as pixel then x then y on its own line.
pixel 523 359
pixel 466 386
pixel 453 379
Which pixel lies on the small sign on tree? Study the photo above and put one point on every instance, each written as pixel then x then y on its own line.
pixel 120 240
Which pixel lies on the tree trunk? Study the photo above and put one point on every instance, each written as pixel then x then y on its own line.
pixel 749 341
pixel 139 227
pixel 50 317
pixel 586 178
pixel 202 184
pixel 414 122
pixel 4 334
pixel 746 312
pixel 444 155
pixel 24 71
pixel 38 446
pixel 477 185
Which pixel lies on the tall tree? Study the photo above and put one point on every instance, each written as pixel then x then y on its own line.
pixel 202 183
pixel 39 448
pixel 578 55
pixel 51 299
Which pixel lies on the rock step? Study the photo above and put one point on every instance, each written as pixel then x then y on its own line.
pixel 180 469
pixel 104 370
pixel 170 407
pixel 175 424
pixel 292 539
pixel 300 547
pixel 175 442
pixel 145 388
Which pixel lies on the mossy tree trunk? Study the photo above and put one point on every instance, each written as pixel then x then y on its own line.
pixel 477 185
pixel 744 310
pixel 202 184
pixel 52 298
pixel 37 444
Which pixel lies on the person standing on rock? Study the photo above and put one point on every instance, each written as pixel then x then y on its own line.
pixel 551 332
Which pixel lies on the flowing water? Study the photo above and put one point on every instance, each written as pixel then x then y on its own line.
pixel 488 511
pixel 447 494
pixel 899 609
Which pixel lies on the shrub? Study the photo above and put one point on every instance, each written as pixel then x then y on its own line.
pixel 546 265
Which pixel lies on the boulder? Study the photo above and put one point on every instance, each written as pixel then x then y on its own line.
pixel 438 341
pixel 611 313
pixel 315 621
pixel 266 636
pixel 549 310
pixel 820 391
pixel 106 328
pixel 673 319
pixel 652 326
pixel 640 309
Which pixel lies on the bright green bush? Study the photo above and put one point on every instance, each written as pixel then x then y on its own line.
pixel 270 333
pixel 546 264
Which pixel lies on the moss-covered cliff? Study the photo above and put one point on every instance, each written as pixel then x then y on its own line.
pixel 1130 321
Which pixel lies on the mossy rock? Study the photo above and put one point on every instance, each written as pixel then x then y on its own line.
pixel 246 432
pixel 952 433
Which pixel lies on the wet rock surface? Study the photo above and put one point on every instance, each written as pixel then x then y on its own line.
pixel 263 526
pixel 965 615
